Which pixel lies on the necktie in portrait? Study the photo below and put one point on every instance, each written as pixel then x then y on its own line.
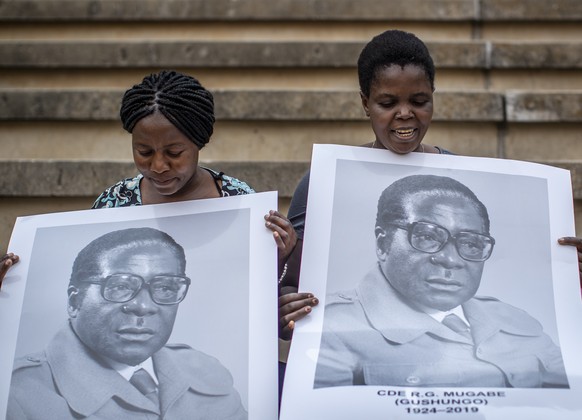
pixel 458 325
pixel 146 385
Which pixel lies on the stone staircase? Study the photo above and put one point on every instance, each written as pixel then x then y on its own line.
pixel 509 85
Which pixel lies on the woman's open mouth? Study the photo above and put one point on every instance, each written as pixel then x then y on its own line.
pixel 404 133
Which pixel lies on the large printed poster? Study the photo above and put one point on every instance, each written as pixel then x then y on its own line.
pixel 443 290
pixel 105 302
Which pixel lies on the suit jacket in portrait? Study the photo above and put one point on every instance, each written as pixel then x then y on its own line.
pixel 67 382
pixel 371 336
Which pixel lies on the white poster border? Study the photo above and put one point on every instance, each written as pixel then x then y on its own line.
pixel 260 393
pixel 300 400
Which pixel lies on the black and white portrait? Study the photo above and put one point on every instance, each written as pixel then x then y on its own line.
pixel 135 319
pixel 439 276
pixel 414 319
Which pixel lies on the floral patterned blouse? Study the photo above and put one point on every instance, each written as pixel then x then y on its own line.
pixel 127 191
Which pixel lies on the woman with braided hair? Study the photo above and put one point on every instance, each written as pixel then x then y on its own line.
pixel 170 116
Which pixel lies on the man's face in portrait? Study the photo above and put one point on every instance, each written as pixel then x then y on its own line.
pixel 439 280
pixel 127 332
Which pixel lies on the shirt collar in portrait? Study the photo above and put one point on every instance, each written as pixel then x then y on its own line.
pixel 440 315
pixel 127 371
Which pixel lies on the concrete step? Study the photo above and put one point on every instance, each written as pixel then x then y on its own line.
pixel 103 105
pixel 35 178
pixel 475 106
pixel 478 55
pixel 254 126
pixel 544 106
pixel 285 10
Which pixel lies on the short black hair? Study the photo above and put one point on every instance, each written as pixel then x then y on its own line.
pixel 394 200
pixel 393 47
pixel 88 261
pixel 179 97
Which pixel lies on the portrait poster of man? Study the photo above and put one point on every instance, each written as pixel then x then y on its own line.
pixel 157 311
pixel 443 290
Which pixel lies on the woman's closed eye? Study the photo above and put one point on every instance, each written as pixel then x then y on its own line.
pixel 389 104
pixel 174 153
pixel 419 102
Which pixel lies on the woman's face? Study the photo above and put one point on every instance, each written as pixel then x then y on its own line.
pixel 166 158
pixel 400 107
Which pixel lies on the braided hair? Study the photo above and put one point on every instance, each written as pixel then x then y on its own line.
pixel 393 47
pixel 179 97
